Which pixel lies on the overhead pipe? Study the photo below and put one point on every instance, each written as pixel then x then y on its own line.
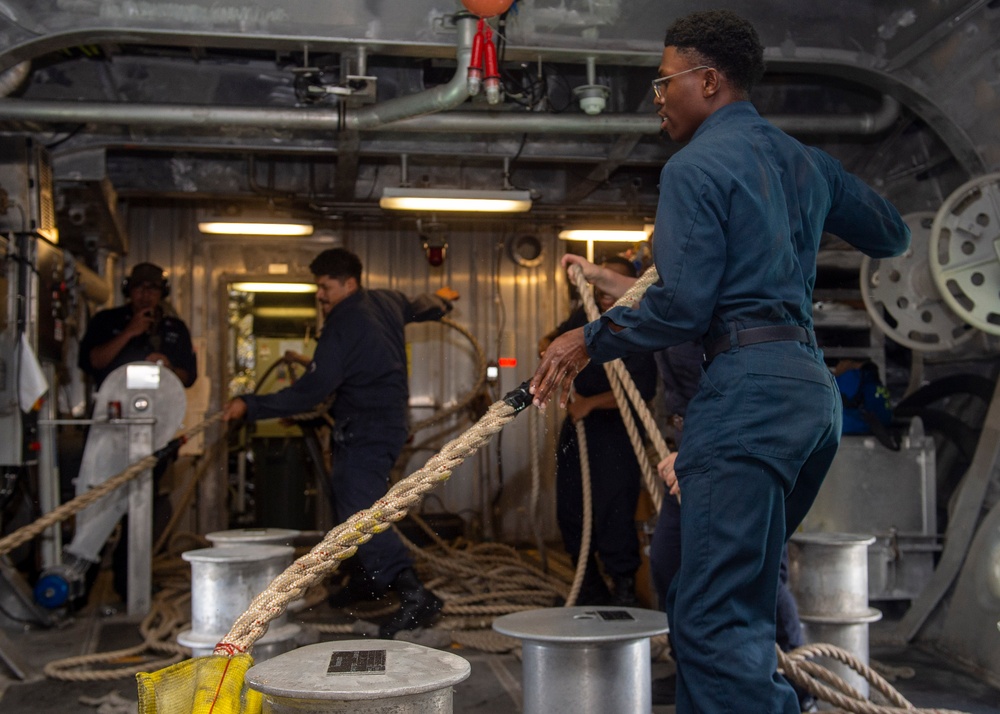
pixel 439 99
pixel 362 68
pixel 205 117
pixel 645 123
pixel 370 118
pixel 96 289
pixel 867 123
pixel 11 78
pixel 419 112
pixel 399 114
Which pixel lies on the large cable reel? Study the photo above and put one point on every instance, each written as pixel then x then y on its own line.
pixel 965 252
pixel 902 298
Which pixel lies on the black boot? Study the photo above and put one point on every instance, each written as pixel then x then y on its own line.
pixel 624 591
pixel 418 606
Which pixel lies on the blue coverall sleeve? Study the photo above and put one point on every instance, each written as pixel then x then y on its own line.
pixel 859 215
pixel 689 249
pixel 426 307
pixel 322 378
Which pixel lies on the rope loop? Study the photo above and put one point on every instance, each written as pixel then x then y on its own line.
pixel 824 684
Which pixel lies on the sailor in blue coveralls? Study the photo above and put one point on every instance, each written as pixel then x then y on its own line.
pixel 140 330
pixel 361 357
pixel 742 209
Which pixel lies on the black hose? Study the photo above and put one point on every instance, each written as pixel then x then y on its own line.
pixel 973 384
pixel 964 437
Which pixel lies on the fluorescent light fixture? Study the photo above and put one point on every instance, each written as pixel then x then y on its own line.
pixel 286 313
pixel 441 199
pixel 273 287
pixel 257 228
pixel 627 233
pixel 607 235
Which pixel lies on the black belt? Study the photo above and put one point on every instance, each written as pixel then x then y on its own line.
pixel 756 336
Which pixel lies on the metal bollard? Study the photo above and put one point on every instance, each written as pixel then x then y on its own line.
pixel 253 536
pixel 259 536
pixel 585 659
pixel 829 579
pixel 361 677
pixel 224 581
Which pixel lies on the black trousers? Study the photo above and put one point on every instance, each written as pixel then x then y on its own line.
pixel 364 451
pixel 615 479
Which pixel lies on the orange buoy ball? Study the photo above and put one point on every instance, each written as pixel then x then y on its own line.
pixel 487 8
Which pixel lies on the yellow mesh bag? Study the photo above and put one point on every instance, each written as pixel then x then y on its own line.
pixel 204 685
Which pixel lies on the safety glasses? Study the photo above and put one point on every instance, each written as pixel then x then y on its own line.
pixel 660 83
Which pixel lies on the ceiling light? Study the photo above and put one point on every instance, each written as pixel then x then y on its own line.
pixel 616 233
pixel 285 313
pixel 257 228
pixel 610 235
pixel 273 287
pixel 439 199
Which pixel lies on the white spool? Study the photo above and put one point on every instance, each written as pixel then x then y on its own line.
pixel 965 252
pixel 902 298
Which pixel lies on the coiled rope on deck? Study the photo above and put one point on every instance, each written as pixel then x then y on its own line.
pixel 480 581
pixel 158 630
pixel 824 684
pixel 498 567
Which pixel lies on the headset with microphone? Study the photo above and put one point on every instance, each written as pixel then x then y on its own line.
pixel 146 273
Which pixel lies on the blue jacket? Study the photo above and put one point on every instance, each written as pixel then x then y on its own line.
pixel 360 356
pixel 742 209
pixel 170 337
